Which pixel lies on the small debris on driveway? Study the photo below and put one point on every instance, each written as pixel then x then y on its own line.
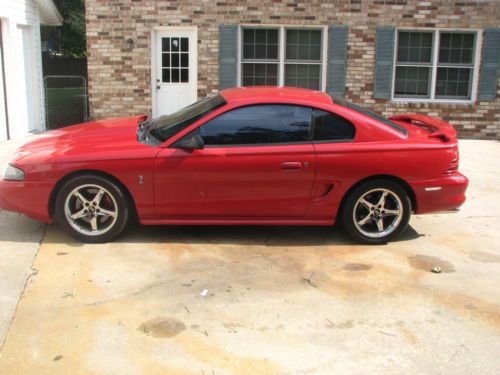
pixel 309 280
pixel 204 292
pixel 68 294
pixel 436 269
pixel 57 358
pixel 162 327
pixel 61 253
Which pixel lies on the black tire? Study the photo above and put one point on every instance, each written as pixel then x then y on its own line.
pixel 370 188
pixel 114 196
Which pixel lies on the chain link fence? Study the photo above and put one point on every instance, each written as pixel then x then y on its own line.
pixel 65 100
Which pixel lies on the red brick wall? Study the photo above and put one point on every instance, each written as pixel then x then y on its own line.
pixel 120 83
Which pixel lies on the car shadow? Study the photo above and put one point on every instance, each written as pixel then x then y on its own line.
pixel 18 228
pixel 287 236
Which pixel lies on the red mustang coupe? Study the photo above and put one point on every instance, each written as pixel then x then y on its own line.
pixel 272 156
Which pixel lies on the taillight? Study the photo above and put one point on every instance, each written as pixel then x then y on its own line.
pixel 453 167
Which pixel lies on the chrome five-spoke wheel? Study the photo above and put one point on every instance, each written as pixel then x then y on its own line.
pixel 91 209
pixel 377 213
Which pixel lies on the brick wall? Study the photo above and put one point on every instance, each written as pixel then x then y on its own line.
pixel 120 82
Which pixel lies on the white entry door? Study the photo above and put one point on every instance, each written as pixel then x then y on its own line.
pixel 175 81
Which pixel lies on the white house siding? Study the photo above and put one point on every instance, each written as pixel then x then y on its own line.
pixel 24 82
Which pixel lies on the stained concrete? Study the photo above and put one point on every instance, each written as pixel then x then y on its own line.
pixel 19 241
pixel 281 300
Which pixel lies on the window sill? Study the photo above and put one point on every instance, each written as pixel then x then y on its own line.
pixel 433 101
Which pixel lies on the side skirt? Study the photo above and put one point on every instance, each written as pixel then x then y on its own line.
pixel 236 221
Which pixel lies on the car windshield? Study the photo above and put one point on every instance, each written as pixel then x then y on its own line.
pixel 368 113
pixel 163 127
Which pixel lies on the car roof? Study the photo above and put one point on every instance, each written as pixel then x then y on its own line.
pixel 271 92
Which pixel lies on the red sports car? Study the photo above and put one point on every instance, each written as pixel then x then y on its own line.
pixel 262 155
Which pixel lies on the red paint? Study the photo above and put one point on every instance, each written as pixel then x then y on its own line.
pixel 287 184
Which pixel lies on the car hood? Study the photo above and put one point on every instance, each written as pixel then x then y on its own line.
pixel 92 140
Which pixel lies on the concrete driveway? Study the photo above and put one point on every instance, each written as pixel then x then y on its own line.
pixel 279 300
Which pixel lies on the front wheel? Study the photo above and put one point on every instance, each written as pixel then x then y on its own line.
pixel 92 209
pixel 376 212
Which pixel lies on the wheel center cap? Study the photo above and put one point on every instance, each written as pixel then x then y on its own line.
pixel 376 213
pixel 91 209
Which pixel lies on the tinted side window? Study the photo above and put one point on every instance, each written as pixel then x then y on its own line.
pixel 331 127
pixel 259 124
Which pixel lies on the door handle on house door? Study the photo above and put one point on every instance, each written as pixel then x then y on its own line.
pixel 291 165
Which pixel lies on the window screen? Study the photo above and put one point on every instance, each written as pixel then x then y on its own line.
pixel 299 64
pixel 455 65
pixel 413 64
pixel 303 58
pixel 433 58
pixel 260 57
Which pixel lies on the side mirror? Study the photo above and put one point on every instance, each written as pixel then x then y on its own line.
pixel 192 142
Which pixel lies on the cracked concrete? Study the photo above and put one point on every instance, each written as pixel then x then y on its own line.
pixel 279 300
pixel 19 241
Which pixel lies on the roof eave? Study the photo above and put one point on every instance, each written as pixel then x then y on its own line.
pixel 49 15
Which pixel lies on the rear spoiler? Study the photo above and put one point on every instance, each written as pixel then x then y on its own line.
pixel 437 128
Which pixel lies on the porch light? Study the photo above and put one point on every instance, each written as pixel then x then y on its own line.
pixel 129 44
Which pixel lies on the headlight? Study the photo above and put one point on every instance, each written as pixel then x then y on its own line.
pixel 13 173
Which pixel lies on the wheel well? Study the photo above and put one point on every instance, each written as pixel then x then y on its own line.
pixel 69 176
pixel 399 181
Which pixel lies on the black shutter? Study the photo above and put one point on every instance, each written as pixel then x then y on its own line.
pixel 337 60
pixel 384 55
pixel 228 56
pixel 489 65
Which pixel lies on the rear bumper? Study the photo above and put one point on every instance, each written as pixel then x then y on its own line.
pixel 443 194
pixel 29 198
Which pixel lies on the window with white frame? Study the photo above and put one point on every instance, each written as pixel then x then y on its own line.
pixel 435 64
pixel 282 56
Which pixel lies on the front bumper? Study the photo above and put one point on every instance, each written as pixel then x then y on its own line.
pixel 442 194
pixel 29 198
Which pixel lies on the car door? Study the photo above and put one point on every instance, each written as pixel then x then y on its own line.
pixel 258 162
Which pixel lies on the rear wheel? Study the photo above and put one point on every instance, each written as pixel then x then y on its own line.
pixel 376 212
pixel 92 209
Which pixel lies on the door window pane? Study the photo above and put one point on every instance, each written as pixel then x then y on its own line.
pixel 175 55
pixel 303 75
pixel 260 74
pixel 165 44
pixel 331 127
pixel 259 124
pixel 453 82
pixel 185 44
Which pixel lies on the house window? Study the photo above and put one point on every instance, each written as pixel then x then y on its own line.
pixel 282 56
pixel 434 64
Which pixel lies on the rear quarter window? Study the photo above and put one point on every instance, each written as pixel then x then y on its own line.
pixel 331 127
